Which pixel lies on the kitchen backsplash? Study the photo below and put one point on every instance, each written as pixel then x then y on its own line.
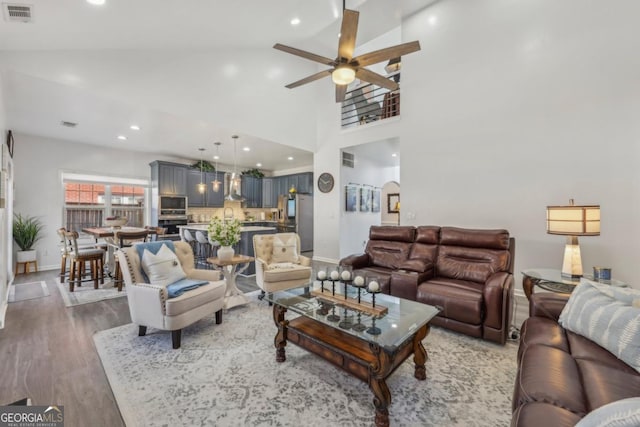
pixel 243 214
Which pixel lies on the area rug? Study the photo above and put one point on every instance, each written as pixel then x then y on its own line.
pixel 27 291
pixel 86 294
pixel 226 375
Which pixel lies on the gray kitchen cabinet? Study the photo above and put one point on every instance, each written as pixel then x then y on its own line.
pixel 268 201
pixel 305 182
pixel 214 199
pixel 170 178
pixel 196 199
pixel 252 191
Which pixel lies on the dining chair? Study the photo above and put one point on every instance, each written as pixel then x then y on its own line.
pixel 79 258
pixel 125 239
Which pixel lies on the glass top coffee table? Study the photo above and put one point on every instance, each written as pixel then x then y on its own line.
pixel 365 341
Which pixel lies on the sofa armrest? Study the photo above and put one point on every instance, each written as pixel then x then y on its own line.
pixel 209 275
pixel 496 293
pixel 356 261
pixel 305 261
pixel 147 304
pixel 404 283
pixel 546 304
pixel 417 265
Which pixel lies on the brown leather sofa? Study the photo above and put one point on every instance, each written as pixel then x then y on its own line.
pixel 466 272
pixel 562 376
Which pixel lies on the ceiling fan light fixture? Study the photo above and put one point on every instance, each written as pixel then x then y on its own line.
pixel 343 75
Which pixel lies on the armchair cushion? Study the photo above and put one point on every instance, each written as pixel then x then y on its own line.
pixel 281 274
pixel 162 268
pixel 285 250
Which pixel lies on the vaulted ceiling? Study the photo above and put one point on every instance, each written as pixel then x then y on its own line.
pixel 187 72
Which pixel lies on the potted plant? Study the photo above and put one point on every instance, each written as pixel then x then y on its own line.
pixel 227 233
pixel 27 231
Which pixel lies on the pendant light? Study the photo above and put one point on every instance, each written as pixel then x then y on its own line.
pixel 215 183
pixel 202 187
pixel 233 180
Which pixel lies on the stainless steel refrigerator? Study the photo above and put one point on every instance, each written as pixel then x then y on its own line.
pixel 299 212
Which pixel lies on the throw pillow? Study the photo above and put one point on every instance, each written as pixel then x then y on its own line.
pixel 608 316
pixel 621 413
pixel 285 250
pixel 162 268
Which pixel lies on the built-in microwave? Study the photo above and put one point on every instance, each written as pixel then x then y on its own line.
pixel 173 203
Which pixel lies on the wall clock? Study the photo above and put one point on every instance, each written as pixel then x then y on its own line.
pixel 325 182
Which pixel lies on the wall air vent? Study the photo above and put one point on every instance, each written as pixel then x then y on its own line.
pixel 17 12
pixel 348 159
pixel 68 124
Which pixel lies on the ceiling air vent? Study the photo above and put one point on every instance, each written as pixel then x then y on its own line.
pixel 68 124
pixel 17 12
pixel 348 159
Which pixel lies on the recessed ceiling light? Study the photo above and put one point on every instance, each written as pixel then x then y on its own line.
pixel 216 157
pixel 432 20
pixel 289 158
pixel 259 165
pixel 122 137
pixel 394 155
pixel 96 2
pixel 134 127
pixel 246 149
pixel 295 21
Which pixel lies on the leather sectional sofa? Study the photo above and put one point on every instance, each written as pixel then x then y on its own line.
pixel 562 376
pixel 467 273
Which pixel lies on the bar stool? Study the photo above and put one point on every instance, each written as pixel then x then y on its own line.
pixel 188 237
pixel 125 239
pixel 65 251
pixel 204 248
pixel 79 258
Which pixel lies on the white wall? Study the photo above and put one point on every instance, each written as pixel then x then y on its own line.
pixel 38 165
pixel 508 108
pixel 355 225
pixel 6 240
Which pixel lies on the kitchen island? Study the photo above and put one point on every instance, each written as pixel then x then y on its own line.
pixel 244 247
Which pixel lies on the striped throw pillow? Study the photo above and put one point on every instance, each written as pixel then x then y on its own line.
pixel 608 316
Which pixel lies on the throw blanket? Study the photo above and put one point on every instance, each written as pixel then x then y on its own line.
pixel 152 247
pixel 181 286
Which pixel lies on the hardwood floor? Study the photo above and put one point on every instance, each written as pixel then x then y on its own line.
pixel 47 354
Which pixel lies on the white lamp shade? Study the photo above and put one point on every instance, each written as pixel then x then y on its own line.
pixel 343 75
pixel 573 220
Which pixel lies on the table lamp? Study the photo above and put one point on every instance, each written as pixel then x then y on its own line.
pixel 573 221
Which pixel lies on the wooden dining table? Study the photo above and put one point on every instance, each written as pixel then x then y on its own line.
pixel 102 232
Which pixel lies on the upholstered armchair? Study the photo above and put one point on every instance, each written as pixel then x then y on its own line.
pixel 149 302
pixel 279 264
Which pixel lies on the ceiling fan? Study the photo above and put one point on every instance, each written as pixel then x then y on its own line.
pixel 345 68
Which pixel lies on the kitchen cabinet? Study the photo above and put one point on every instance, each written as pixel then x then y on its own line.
pixel 305 183
pixel 252 191
pixel 209 198
pixel 169 178
pixel 215 199
pixel 268 201
pixel 195 198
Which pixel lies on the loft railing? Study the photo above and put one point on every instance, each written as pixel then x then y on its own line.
pixel 368 103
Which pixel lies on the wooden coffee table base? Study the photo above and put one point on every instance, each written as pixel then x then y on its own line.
pixel 366 361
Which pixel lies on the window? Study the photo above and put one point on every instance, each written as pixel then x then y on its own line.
pixel 87 204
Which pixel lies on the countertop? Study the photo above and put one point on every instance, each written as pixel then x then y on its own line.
pixel 244 229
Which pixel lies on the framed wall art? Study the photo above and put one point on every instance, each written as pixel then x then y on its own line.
pixel 393 202
pixel 365 199
pixel 375 200
pixel 351 198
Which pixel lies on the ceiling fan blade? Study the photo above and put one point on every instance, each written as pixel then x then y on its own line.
pixel 304 54
pixel 386 53
pixel 341 91
pixel 348 33
pixel 309 79
pixel 376 79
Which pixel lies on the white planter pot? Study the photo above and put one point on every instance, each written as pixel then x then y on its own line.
pixel 26 256
pixel 225 253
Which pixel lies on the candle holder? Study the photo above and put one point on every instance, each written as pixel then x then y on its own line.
pixel 333 317
pixel 346 323
pixel 373 287
pixel 321 276
pixel 346 273
pixel 359 283
pixel 359 327
pixel 374 330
